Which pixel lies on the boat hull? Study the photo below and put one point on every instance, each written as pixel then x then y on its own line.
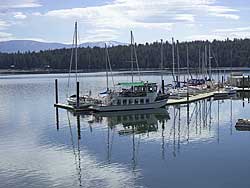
pixel 154 105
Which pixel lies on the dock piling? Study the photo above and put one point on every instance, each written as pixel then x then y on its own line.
pixel 162 86
pixel 248 79
pixel 56 90
pixel 243 82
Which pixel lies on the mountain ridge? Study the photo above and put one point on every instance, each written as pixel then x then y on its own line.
pixel 14 46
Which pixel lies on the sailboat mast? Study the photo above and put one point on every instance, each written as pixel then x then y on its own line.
pixel 209 61
pixel 188 73
pixel 162 81
pixel 173 58
pixel 205 61
pixel 107 76
pixel 132 64
pixel 161 59
pixel 76 49
pixel 178 63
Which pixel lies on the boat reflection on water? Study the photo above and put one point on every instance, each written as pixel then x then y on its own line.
pixel 172 130
pixel 137 121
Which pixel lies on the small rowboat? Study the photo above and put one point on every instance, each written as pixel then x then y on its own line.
pixel 243 125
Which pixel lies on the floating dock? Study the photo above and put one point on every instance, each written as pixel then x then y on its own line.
pixel 71 108
pixel 191 98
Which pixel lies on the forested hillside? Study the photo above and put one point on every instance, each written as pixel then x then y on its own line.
pixel 224 53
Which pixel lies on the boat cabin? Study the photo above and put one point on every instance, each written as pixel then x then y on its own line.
pixel 137 93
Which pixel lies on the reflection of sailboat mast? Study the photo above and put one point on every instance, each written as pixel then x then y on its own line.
pixel 179 129
pixel 163 140
pixel 210 114
pixel 218 128
pixel 196 118
pixel 231 116
pixel 188 122
pixel 133 141
pixel 78 165
pixel 200 115
pixel 108 153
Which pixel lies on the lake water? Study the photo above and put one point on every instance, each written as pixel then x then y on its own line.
pixel 169 147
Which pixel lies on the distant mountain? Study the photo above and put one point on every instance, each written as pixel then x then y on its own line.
pixel 30 45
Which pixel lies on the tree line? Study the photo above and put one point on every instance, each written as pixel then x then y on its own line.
pixel 235 53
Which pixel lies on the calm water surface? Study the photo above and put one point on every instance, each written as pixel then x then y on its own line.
pixel 154 148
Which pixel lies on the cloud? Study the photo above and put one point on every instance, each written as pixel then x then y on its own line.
pixel 237 32
pixel 3 24
pixel 144 14
pixel 204 37
pixel 12 4
pixel 5 36
pixel 185 17
pixel 19 15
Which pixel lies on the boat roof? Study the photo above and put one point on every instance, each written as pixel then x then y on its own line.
pixel 131 83
pixel 141 83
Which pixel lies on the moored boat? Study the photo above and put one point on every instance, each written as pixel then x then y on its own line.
pixel 243 125
pixel 132 96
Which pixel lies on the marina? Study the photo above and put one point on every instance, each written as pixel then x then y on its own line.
pixel 124 94
pixel 137 148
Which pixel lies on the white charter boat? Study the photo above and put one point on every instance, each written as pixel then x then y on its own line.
pixel 139 95
pixel 132 95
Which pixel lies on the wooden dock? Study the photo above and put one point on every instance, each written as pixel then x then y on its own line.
pixel 243 89
pixel 191 98
pixel 71 108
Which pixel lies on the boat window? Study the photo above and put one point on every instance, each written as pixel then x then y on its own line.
pixel 124 101
pixel 155 88
pixel 130 101
pixel 141 101
pixel 136 101
pixel 130 118
pixel 118 102
pixel 147 101
pixel 125 118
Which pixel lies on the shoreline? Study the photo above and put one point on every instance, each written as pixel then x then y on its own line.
pixel 153 70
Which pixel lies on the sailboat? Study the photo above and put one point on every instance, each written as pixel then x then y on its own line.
pixel 84 100
pixel 132 95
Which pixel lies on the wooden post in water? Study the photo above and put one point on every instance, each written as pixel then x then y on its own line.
pixel 77 95
pixel 248 79
pixel 222 78
pixel 162 86
pixel 57 114
pixel 56 90
pixel 243 82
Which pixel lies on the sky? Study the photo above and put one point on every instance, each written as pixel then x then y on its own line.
pixel 104 20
